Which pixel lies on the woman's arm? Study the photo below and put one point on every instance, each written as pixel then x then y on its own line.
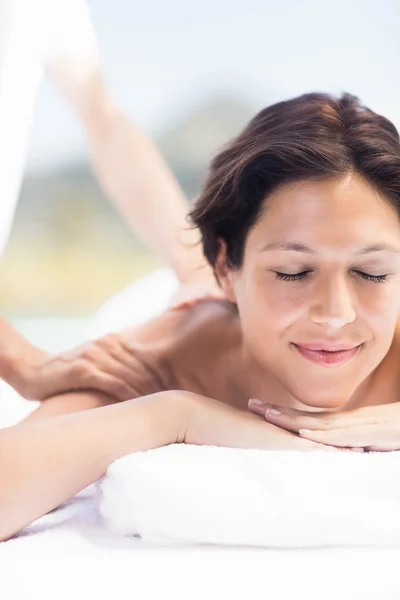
pixel 213 423
pixel 45 462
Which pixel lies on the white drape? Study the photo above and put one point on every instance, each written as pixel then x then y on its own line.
pixel 33 33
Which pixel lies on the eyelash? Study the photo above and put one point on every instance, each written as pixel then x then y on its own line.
pixel 303 275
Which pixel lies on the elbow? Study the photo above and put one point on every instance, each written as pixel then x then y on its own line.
pixel 11 517
pixel 8 526
pixel 5 536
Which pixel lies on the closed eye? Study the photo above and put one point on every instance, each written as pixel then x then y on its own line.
pixel 368 277
pixel 292 276
pixel 304 274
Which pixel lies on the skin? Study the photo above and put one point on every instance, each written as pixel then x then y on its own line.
pixel 135 177
pixel 69 444
pixel 216 354
pixel 333 302
pixel 240 348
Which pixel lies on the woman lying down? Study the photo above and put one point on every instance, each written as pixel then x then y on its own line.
pixel 300 222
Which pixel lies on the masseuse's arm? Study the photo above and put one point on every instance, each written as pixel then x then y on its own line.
pixel 19 360
pixel 135 176
pixel 38 375
pixel 133 173
pixel 129 168
pixel 44 462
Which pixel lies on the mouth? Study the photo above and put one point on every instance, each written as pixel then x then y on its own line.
pixel 327 358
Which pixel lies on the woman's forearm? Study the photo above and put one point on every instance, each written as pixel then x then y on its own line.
pixel 216 424
pixel 44 463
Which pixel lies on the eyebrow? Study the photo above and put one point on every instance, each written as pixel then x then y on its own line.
pixel 295 247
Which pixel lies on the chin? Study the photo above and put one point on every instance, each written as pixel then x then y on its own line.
pixel 325 404
pixel 323 399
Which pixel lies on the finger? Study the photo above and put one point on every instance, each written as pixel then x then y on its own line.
pixel 186 301
pixel 113 386
pixel 293 420
pixel 115 360
pixel 259 407
pixel 289 421
pixel 98 379
pixel 382 438
pixel 382 448
pixel 116 348
pixel 123 371
pixel 353 437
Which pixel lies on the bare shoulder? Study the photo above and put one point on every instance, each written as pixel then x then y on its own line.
pixel 176 327
pixel 175 336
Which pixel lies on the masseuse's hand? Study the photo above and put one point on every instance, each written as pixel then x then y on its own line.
pixel 104 365
pixel 201 284
pixel 369 428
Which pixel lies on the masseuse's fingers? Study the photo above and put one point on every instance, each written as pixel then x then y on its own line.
pixel 293 420
pixel 109 384
pixel 107 365
pixel 196 290
pixel 104 369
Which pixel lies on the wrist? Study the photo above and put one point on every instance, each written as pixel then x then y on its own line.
pixel 186 257
pixel 146 423
pixel 173 411
pixel 18 357
pixel 198 271
pixel 9 362
pixel 180 407
pixel 21 370
pixel 14 371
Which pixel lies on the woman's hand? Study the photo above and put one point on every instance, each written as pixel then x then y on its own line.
pixel 106 365
pixel 369 428
pixel 210 422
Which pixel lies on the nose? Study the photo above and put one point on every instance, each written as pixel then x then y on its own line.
pixel 333 303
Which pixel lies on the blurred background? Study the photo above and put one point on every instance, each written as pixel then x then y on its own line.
pixel 190 75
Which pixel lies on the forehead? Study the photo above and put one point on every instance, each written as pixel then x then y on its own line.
pixel 339 212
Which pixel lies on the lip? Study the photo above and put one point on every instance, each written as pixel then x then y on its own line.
pixel 326 346
pixel 327 357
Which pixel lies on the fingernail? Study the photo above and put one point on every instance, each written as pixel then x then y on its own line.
pixel 256 402
pixel 273 411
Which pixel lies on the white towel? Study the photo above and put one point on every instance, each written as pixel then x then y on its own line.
pixel 277 499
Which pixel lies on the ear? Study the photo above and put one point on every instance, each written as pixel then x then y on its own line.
pixel 224 272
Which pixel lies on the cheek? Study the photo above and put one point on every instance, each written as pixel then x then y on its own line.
pixel 275 306
pixel 266 304
pixel 380 307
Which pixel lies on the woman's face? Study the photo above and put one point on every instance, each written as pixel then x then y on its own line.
pixel 321 272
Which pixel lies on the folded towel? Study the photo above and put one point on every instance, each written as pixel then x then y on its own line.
pixel 281 499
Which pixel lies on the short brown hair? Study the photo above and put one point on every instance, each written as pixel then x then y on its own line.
pixel 312 136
